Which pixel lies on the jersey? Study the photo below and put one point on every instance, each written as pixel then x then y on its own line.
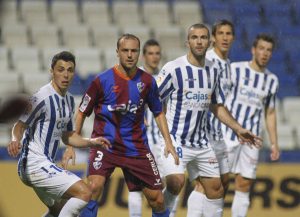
pixel 48 116
pixel 252 92
pixel 214 124
pixel 189 90
pixel 153 133
pixel 119 106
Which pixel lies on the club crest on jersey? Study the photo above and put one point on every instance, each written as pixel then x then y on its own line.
pixel 97 165
pixel 85 102
pixel 140 86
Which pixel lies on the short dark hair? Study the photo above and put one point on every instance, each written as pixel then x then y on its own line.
pixel 128 36
pixel 220 23
pixel 198 26
pixel 65 56
pixel 150 42
pixel 265 37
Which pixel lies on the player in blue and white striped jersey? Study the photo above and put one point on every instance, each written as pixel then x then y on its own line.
pixel 49 118
pixel 252 98
pixel 191 86
pixel 222 38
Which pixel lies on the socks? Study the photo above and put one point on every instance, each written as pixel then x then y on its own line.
pixel 240 204
pixel 72 207
pixel 90 210
pixel 195 204
pixel 165 213
pixel 173 211
pixel 135 204
pixel 169 199
pixel 213 207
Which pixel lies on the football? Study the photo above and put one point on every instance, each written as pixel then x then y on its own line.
pixel 12 107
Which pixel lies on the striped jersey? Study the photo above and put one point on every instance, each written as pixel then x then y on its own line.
pixel 252 92
pixel 189 90
pixel 49 115
pixel 153 131
pixel 213 123
pixel 119 103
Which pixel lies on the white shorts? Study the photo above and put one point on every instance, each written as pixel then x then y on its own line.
pixel 243 160
pixel 198 162
pixel 156 151
pixel 221 152
pixel 48 180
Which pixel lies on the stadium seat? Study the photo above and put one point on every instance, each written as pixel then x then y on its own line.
pixel 110 57
pixel 96 13
pixel 45 36
pixel 142 32
pixel 15 35
pixel 65 12
pixel 9 83
pixel 76 36
pixel 126 13
pixel 10 13
pixel 26 59
pixel 170 37
pixel 77 86
pixel 162 16
pixel 286 137
pixel 5 132
pixel 173 54
pixel 187 13
pixel 33 85
pixel 106 37
pixel 4 61
pixel 291 107
pixel 88 61
pixel 298 137
pixel 35 12
pixel 216 10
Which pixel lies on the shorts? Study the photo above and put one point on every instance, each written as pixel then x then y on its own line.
pixel 139 172
pixel 48 180
pixel 221 152
pixel 197 161
pixel 243 160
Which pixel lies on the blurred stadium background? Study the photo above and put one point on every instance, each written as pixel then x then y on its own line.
pixel 32 31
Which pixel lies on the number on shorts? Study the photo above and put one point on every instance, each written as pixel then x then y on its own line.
pixel 99 156
pixel 179 152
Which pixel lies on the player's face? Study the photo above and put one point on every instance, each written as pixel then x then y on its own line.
pixel 262 53
pixel 128 53
pixel 152 56
pixel 198 41
pixel 223 38
pixel 62 75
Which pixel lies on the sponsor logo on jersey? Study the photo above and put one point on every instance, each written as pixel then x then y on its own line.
pixel 85 103
pixel 152 163
pixel 197 96
pixel 124 108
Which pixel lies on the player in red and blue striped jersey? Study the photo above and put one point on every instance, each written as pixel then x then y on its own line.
pixel 118 97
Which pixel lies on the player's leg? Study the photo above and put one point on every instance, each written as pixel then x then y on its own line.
pixel 196 200
pixel 245 168
pixel 135 203
pixel 155 199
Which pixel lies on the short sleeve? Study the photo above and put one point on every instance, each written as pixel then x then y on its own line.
pixel 271 98
pixel 153 99
pixel 164 82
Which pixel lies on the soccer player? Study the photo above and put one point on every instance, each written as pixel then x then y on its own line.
pixel 49 118
pixel 253 96
pixel 222 38
pixel 191 85
pixel 152 57
pixel 118 98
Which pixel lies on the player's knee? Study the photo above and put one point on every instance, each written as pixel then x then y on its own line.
pixel 157 203
pixel 243 184
pixel 96 185
pixel 225 182
pixel 175 184
pixel 216 190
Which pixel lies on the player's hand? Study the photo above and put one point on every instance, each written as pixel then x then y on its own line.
pixel 14 148
pixel 170 149
pixel 246 137
pixel 275 153
pixel 101 141
pixel 68 155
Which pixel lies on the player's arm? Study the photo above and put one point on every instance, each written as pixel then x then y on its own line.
pixel 271 124
pixel 15 146
pixel 70 152
pixel 161 122
pixel 245 136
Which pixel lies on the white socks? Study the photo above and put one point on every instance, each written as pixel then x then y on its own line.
pixel 195 204
pixel 213 207
pixel 169 199
pixel 72 207
pixel 135 204
pixel 240 204
pixel 173 211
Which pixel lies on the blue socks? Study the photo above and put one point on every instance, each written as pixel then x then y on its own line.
pixel 90 210
pixel 166 213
